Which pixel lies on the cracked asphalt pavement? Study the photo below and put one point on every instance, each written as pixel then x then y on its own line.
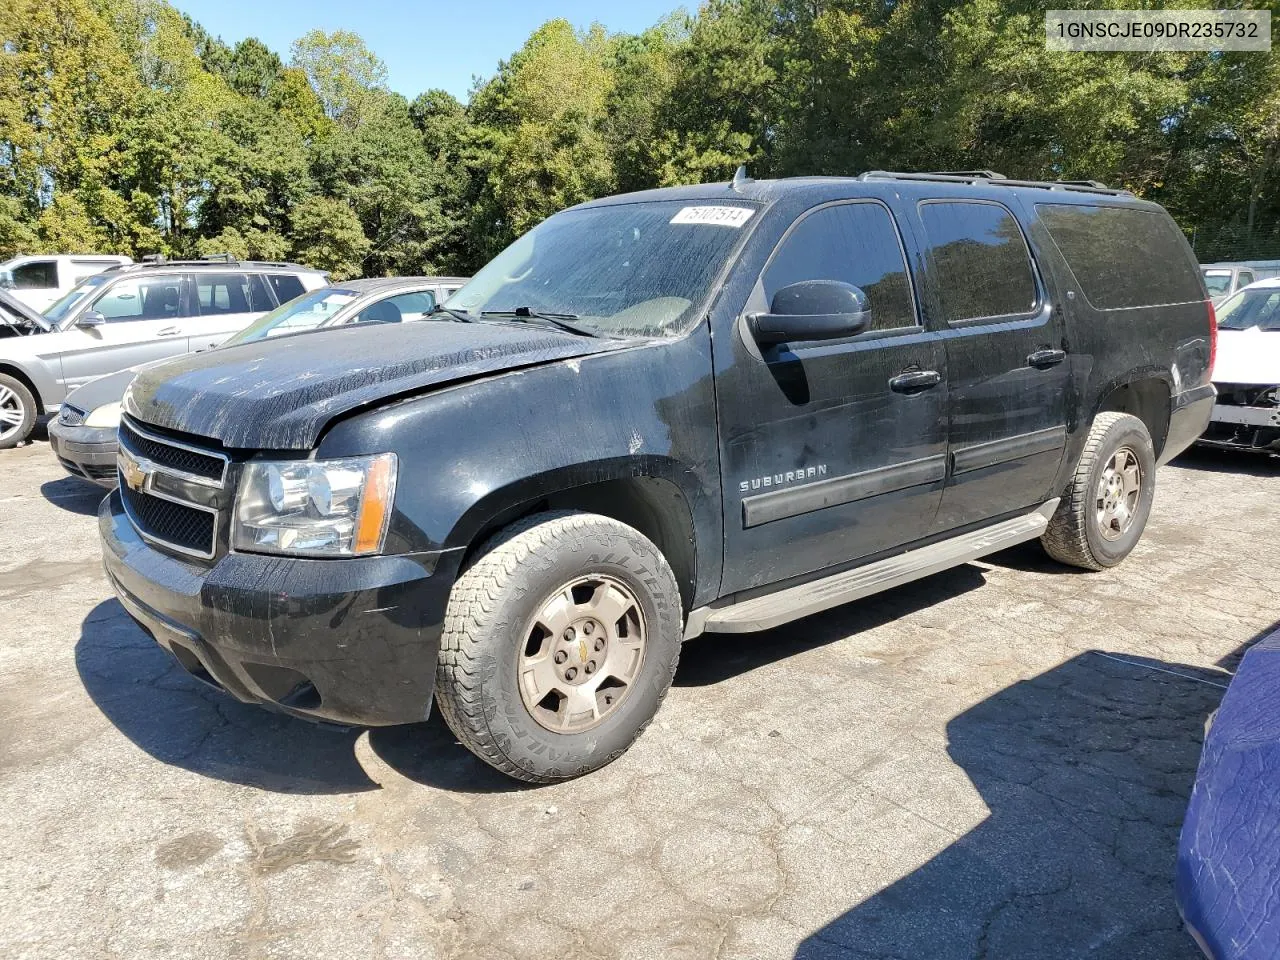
pixel 993 762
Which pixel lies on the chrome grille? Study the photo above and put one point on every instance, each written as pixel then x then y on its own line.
pixel 185 528
pixel 172 492
pixel 177 457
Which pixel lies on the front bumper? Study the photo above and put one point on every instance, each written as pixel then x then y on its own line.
pixel 348 641
pixel 85 452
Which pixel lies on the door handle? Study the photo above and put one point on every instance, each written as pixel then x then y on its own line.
pixel 914 381
pixel 1042 359
pixel 169 332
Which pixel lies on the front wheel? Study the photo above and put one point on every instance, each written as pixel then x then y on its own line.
pixel 17 412
pixel 1105 509
pixel 559 644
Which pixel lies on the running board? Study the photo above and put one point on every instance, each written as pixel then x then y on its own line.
pixel 792 603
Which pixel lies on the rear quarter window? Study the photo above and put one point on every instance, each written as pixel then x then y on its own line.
pixel 1123 257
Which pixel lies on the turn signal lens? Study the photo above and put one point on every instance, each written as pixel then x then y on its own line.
pixel 375 506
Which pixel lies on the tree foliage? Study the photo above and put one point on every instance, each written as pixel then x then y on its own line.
pixel 125 126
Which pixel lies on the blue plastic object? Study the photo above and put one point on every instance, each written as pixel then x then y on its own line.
pixel 1228 882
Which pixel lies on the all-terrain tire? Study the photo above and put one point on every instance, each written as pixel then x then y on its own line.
pixel 491 610
pixel 1074 535
pixel 16 397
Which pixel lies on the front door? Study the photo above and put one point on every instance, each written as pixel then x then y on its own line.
pixel 1005 361
pixel 144 317
pixel 832 451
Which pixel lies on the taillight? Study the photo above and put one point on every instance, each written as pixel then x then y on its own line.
pixel 1213 336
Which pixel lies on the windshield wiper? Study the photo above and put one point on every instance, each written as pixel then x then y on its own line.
pixel 460 315
pixel 563 321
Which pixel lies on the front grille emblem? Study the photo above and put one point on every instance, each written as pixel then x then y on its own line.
pixel 134 472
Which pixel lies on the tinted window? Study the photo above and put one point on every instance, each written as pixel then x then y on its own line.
pixel 156 298
pixel 287 287
pixel 1244 279
pixel 40 275
pixel 1122 256
pixel 980 260
pixel 855 243
pixel 259 296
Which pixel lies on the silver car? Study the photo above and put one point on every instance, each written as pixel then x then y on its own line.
pixel 131 315
pixel 83 437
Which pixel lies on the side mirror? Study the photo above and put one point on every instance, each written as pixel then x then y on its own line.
pixel 812 310
pixel 90 319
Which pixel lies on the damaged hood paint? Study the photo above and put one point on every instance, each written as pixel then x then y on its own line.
pixel 279 394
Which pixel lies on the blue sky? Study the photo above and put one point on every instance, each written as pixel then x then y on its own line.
pixel 424 44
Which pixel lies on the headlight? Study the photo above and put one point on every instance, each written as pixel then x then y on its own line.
pixel 315 508
pixel 107 415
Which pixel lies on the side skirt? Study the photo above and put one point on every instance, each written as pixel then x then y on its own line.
pixel 792 603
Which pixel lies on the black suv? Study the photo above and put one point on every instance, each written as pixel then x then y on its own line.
pixel 712 408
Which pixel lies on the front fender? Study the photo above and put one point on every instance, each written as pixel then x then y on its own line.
pixel 474 451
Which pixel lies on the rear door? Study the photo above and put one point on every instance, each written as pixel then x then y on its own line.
pixel 1005 347
pixel 224 303
pixel 824 461
pixel 144 322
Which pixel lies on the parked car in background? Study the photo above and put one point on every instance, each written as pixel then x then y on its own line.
pixel 1246 371
pixel 135 314
pixel 40 280
pixel 713 408
pixel 19 320
pixel 83 437
pixel 1224 279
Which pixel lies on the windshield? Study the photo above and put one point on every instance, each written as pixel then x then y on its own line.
pixel 636 269
pixel 1218 281
pixel 307 312
pixel 64 305
pixel 1259 307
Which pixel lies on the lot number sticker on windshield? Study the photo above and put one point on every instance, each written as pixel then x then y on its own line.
pixel 718 216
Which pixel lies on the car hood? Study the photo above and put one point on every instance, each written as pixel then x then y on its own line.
pixel 108 389
pixel 279 394
pixel 1248 356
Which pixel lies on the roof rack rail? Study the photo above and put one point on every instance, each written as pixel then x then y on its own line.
pixel 218 258
pixel 969 174
pixel 985 176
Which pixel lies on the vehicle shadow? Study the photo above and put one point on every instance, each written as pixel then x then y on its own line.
pixel 73 494
pixel 164 711
pixel 715 657
pixel 1086 770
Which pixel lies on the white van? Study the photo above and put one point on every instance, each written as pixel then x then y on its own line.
pixel 41 279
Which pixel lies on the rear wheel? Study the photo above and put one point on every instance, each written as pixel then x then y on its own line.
pixel 1104 511
pixel 559 644
pixel 17 412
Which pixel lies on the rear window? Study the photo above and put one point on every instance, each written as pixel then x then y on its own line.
pixel 1218 282
pixel 286 286
pixel 1123 257
pixel 980 260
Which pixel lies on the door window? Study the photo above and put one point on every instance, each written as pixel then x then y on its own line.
pixel 137 298
pixel 220 293
pixel 37 275
pixel 855 243
pixel 980 260
pixel 286 286
pixel 405 306
pixel 1243 279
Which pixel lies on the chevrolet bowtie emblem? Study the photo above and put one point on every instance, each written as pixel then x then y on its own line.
pixel 133 472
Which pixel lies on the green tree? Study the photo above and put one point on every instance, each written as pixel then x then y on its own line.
pixel 344 73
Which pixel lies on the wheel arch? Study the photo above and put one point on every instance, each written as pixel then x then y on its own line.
pixel 641 493
pixel 1148 397
pixel 21 375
